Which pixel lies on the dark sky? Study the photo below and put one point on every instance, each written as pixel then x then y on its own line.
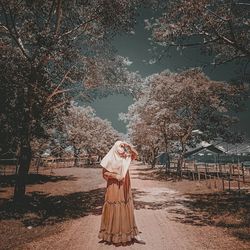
pixel 137 48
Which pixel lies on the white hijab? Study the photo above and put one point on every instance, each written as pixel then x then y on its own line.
pixel 113 162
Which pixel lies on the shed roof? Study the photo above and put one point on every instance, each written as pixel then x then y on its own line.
pixel 206 146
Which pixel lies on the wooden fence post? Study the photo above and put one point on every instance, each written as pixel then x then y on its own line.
pixel 238 171
pixel 223 184
pixel 209 182
pixel 193 176
pixel 243 172
pixel 205 174
pixel 215 183
pixel 37 165
pixel 51 165
pixel 230 171
pixel 196 168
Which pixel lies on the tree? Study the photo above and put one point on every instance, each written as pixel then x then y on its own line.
pixel 88 133
pixel 175 104
pixel 196 102
pixel 147 139
pixel 218 27
pixel 140 131
pixel 50 51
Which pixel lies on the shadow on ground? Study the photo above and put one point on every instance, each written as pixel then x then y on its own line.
pixel 157 173
pixel 223 209
pixel 142 175
pixel 43 209
pixel 229 210
pixel 139 203
pixel 9 180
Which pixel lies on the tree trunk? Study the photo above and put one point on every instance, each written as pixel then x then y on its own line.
pixel 183 141
pixel 179 165
pixel 154 154
pixel 99 158
pixel 167 165
pixel 181 158
pixel 153 162
pixel 24 154
pixel 76 156
pixel 22 172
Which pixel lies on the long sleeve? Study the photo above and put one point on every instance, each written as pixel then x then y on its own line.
pixel 107 175
pixel 122 152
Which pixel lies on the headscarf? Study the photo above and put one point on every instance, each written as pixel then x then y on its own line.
pixel 113 162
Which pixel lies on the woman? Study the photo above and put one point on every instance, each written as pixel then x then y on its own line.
pixel 118 224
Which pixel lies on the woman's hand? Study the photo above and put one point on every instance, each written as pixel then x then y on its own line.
pixel 107 175
pixel 119 177
pixel 131 152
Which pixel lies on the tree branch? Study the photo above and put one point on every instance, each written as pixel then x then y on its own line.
pixel 58 16
pixel 56 90
pixel 233 44
pixel 15 35
pixel 50 13
pixel 83 25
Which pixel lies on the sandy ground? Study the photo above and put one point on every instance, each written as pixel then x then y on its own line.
pixel 159 212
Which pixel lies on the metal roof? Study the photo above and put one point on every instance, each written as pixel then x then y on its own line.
pixel 206 146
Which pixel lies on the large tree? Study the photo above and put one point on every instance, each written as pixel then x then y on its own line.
pixel 175 104
pixel 51 50
pixel 141 131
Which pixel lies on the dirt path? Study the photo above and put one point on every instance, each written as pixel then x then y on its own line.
pixel 158 217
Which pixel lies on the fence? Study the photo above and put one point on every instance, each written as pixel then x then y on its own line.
pixel 223 175
pixel 9 166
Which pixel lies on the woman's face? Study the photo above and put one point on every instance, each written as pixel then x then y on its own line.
pixel 127 148
pixel 128 151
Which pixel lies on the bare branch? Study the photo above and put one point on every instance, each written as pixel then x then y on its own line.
pixel 93 17
pixel 15 36
pixel 50 13
pixel 213 13
pixel 56 90
pixel 58 16
pixel 243 4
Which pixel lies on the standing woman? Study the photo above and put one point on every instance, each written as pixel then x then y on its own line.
pixel 118 225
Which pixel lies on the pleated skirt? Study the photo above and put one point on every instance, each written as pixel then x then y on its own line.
pixel 118 223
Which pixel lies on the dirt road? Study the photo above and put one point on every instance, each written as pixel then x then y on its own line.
pixel 160 216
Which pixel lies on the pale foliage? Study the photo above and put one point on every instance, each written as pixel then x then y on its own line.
pixel 172 105
pixel 219 28
pixel 88 133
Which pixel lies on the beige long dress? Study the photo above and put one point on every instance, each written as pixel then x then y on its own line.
pixel 118 220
